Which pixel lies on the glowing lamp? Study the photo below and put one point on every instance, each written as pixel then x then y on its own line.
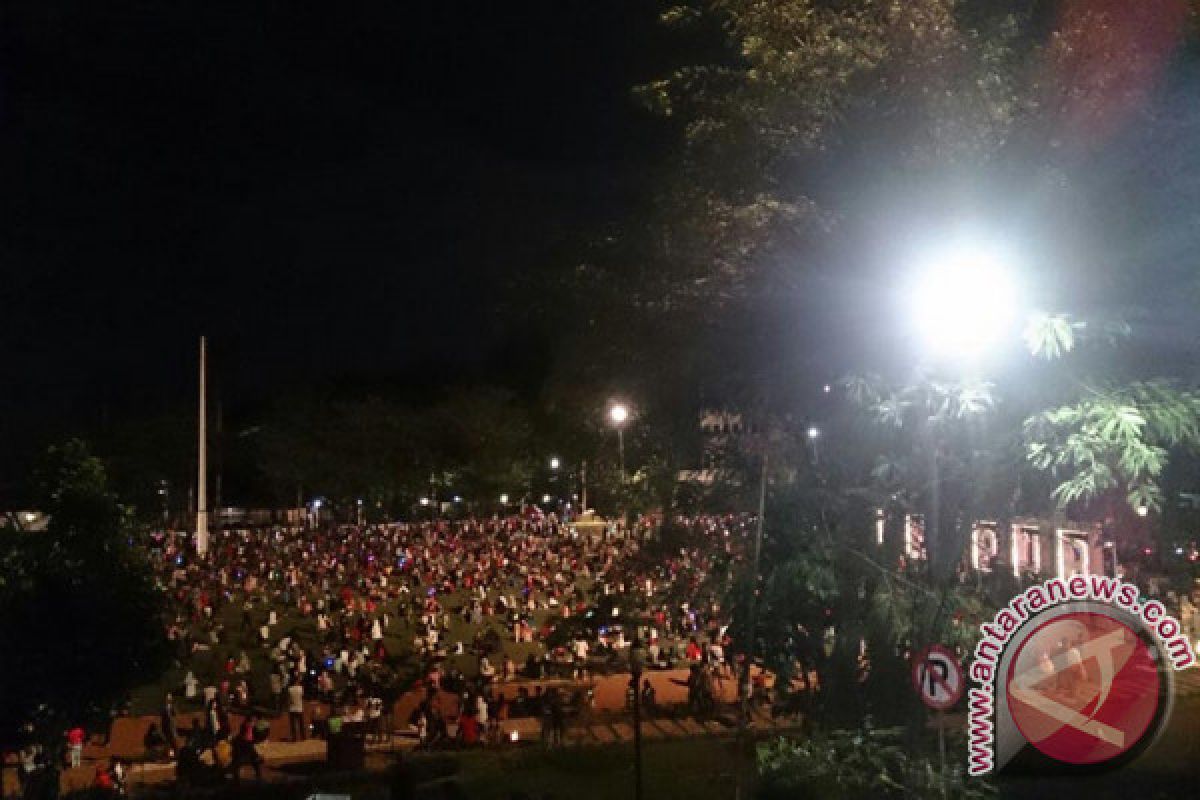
pixel 964 301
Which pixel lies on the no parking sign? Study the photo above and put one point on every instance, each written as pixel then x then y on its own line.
pixel 938 677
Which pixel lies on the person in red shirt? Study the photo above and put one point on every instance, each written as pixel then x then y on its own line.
pixel 244 752
pixel 693 651
pixel 468 730
pixel 75 738
pixel 103 779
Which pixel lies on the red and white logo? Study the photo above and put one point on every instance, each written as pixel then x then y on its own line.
pixel 1084 688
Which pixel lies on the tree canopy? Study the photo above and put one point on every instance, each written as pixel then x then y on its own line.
pixel 80 616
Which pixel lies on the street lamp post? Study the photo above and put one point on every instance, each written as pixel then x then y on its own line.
pixel 583 506
pixel 965 304
pixel 814 434
pixel 164 493
pixel 637 662
pixel 618 414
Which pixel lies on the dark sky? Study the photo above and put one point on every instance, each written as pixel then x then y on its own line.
pixel 325 189
pixel 339 191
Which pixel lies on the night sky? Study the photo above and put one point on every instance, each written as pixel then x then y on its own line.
pixel 345 193
pixel 327 190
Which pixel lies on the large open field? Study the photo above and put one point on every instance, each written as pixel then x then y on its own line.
pixel 208 665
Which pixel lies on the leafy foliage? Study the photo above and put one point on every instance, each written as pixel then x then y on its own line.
pixel 941 80
pixel 1050 336
pixel 79 613
pixel 476 443
pixel 852 764
pixel 1115 437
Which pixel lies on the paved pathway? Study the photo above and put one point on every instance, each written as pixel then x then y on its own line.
pixel 605 723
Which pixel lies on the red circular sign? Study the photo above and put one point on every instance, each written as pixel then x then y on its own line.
pixel 1083 688
pixel 938 677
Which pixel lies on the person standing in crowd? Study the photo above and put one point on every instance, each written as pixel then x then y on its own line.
pixel 276 682
pixel 558 718
pixel 75 737
pixel 296 711
pixel 169 724
pixel 649 698
pixel 244 752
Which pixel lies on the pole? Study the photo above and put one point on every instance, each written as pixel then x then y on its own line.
pixel 941 726
pixel 637 734
pixel 202 471
pixel 583 481
pixel 744 691
pixel 621 451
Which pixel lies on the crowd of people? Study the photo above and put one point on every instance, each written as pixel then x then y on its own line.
pixel 270 620
pixel 330 626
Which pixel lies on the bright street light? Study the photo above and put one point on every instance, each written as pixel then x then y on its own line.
pixel 424 501
pixel 504 499
pixel 555 463
pixel 964 301
pixel 618 413
pixel 545 499
pixel 814 433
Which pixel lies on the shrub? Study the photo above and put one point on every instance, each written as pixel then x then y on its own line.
pixel 867 763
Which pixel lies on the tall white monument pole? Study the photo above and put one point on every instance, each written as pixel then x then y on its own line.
pixel 202 478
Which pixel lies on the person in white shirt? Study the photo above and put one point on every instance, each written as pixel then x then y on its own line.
pixel 481 711
pixel 295 695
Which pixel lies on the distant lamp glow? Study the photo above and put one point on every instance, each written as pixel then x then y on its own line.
pixel 1143 511
pixel 618 413
pixel 504 499
pixel 424 501
pixel 964 302
pixel 30 516
pixel 545 498
pixel 458 498
pixel 317 504
pixel 514 736
pixel 555 463
pixel 828 388
pixel 813 433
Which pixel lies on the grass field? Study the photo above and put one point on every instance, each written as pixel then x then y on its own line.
pixel 208 666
